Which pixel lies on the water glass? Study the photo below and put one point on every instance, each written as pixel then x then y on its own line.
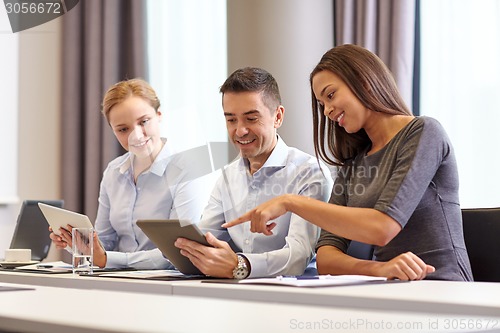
pixel 83 250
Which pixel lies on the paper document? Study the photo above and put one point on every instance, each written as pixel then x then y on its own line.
pixel 49 267
pixel 145 274
pixel 315 281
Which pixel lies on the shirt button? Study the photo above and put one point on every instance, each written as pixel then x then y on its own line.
pixel 247 241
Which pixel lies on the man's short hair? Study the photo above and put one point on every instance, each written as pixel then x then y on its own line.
pixel 253 79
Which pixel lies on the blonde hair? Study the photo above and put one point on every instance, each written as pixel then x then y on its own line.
pixel 122 90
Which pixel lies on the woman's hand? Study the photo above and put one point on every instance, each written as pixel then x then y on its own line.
pixel 63 239
pixel 100 256
pixel 406 267
pixel 262 214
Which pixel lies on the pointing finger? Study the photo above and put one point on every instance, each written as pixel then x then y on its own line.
pixel 243 218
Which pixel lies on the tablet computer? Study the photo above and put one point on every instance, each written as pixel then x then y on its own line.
pixel 163 234
pixel 58 217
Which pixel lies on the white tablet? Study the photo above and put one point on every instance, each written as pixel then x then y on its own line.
pixel 58 217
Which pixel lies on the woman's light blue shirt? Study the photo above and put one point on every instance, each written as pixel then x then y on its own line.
pixel 166 191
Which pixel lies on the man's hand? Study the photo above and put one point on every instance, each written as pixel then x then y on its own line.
pixel 217 261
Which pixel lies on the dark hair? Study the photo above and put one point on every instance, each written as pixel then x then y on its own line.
pixel 252 79
pixel 371 82
pixel 122 90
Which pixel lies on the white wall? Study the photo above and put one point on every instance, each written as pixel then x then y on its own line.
pixel 286 46
pixel 37 79
pixel 287 38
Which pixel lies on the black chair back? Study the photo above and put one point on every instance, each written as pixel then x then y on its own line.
pixel 482 238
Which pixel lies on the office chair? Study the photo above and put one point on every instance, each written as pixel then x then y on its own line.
pixel 482 238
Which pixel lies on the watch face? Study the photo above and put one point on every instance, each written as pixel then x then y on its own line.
pixel 241 270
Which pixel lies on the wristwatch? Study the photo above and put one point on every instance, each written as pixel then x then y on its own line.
pixel 241 271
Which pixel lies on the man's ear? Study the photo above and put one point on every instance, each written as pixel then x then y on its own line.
pixel 279 116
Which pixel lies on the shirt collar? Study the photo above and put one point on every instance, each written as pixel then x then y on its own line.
pixel 159 164
pixel 278 157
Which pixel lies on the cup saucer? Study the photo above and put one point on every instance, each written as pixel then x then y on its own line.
pixel 14 264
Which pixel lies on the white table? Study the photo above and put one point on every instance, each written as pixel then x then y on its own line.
pixel 68 280
pixel 49 309
pixel 462 298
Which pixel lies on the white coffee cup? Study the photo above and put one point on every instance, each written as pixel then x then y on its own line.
pixel 18 255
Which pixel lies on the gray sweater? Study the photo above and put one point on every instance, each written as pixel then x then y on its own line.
pixel 414 180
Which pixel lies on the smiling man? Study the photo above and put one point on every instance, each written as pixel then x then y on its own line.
pixel 266 168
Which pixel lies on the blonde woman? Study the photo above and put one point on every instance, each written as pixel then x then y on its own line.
pixel 149 181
